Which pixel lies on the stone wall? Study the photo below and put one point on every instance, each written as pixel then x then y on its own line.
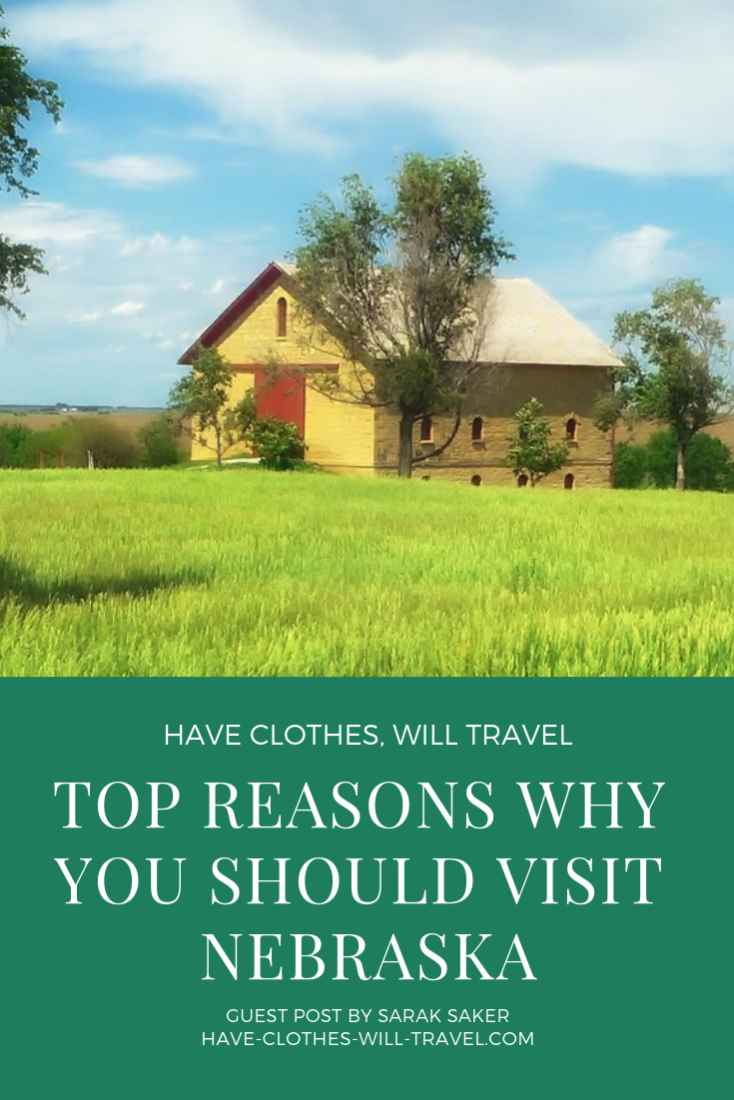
pixel 495 396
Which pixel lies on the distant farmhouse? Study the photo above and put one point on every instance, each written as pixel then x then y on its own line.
pixel 533 348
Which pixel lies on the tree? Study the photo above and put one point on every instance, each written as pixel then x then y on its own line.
pixel 673 353
pixel 202 398
pixel 19 94
pixel 530 451
pixel 404 291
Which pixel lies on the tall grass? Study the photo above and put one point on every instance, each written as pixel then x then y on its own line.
pixel 141 573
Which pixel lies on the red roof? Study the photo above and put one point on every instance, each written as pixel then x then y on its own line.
pixel 234 311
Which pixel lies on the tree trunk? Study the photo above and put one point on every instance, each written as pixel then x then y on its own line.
pixel 405 452
pixel 680 467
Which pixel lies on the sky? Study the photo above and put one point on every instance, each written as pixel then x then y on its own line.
pixel 193 136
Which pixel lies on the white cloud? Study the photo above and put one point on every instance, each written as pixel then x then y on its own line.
pixel 652 96
pixel 127 309
pixel 642 256
pixel 137 172
pixel 157 244
pixel 97 288
pixel 45 223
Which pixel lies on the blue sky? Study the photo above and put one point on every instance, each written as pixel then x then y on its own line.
pixel 194 134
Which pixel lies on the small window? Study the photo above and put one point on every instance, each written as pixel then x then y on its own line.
pixel 569 481
pixel 477 429
pixel 571 429
pixel 476 479
pixel 282 317
pixel 426 430
pixel 522 481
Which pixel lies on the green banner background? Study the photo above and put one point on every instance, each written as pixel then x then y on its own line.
pixel 109 1000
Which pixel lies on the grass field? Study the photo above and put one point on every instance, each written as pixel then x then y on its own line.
pixel 145 573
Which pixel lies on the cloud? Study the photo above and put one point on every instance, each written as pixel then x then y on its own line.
pixel 127 309
pixel 219 286
pixel 629 90
pixel 48 223
pixel 137 172
pixel 157 244
pixel 642 256
pixel 112 291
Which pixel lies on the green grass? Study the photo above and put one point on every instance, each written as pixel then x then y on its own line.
pixel 145 573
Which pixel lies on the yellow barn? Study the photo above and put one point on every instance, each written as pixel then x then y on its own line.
pixel 533 348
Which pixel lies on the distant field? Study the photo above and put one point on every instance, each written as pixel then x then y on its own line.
pixel 144 573
pixel 130 419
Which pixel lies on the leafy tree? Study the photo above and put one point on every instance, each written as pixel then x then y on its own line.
pixel 278 443
pixel 673 354
pixel 531 451
pixel 403 290
pixel 202 398
pixel 19 94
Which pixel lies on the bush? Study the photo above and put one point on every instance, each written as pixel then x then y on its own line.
pixel 709 464
pixel 14 440
pixel 160 443
pixel 52 441
pixel 630 465
pixel 278 443
pixel 111 445
pixel 20 446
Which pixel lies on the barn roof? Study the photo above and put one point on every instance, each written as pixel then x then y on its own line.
pixel 526 325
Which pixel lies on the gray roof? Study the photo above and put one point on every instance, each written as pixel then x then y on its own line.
pixel 526 326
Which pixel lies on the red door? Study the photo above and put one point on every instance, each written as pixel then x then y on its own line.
pixel 281 395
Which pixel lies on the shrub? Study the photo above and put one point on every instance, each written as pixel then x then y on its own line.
pixel 160 443
pixel 630 465
pixel 14 438
pixel 53 442
pixel 278 443
pixel 709 464
pixel 111 445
